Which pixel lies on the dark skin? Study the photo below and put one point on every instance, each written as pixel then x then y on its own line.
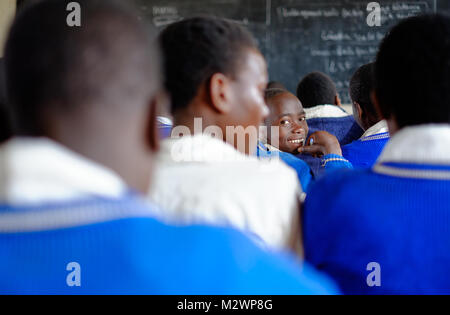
pixel 231 102
pixel 365 120
pixel 287 113
pixel 127 150
pixel 391 120
pixel 118 131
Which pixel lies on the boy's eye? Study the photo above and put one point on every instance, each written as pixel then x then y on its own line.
pixel 302 118
pixel 285 122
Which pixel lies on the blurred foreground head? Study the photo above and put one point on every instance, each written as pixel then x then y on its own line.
pixel 412 73
pixel 214 70
pixel 93 88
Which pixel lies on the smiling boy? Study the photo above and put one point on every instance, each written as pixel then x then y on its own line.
pixel 286 111
pixel 287 115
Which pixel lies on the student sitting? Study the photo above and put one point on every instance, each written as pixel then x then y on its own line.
pixel 5 128
pixel 288 118
pixel 217 85
pixel 69 222
pixel 386 230
pixel 364 152
pixel 322 104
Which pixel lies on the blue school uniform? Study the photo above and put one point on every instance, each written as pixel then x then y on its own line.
pixel 123 251
pixel 334 120
pixel 165 126
pixel 345 129
pixel 69 226
pixel 386 230
pixel 328 163
pixel 301 168
pixel 364 152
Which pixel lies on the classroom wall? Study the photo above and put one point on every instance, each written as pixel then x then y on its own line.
pixel 7 11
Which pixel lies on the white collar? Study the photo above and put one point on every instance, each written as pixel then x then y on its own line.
pixel 36 171
pixel 164 121
pixel 427 146
pixel 378 128
pixel 325 111
pixel 199 148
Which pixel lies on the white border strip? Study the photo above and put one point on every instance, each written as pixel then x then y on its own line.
pixel 38 221
pixel 405 173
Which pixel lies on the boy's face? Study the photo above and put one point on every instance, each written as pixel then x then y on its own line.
pixel 249 106
pixel 287 113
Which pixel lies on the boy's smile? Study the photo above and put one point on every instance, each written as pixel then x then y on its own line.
pixel 287 113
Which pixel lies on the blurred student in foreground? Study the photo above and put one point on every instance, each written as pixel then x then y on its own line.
pixel 364 152
pixel 386 230
pixel 84 101
pixel 207 176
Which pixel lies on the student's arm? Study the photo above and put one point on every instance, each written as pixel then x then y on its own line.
pixel 326 146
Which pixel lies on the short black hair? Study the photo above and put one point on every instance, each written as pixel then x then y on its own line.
pixel 108 61
pixel 316 89
pixel 5 128
pixel 412 71
pixel 362 84
pixel 276 85
pixel 273 92
pixel 197 48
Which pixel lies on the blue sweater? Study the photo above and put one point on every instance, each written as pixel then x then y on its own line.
pixel 402 223
pixel 345 129
pixel 121 250
pixel 363 153
pixel 328 163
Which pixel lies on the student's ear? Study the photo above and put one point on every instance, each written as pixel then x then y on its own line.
pixel 392 122
pixel 359 111
pixel 337 100
pixel 220 93
pixel 376 104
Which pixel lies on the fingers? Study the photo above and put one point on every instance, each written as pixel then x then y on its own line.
pixel 314 150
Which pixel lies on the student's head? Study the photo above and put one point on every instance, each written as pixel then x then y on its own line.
pixel 412 73
pixel 276 85
pixel 317 89
pixel 361 86
pixel 215 71
pixel 5 130
pixel 287 113
pixel 92 88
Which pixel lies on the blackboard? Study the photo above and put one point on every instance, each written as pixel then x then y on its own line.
pixel 301 36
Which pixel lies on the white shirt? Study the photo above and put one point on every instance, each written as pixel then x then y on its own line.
pixel 41 174
pixel 200 179
pixel 34 171
pixel 325 111
pixel 378 128
pixel 428 144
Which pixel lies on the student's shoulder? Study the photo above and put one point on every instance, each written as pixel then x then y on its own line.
pixel 342 186
pixel 210 253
